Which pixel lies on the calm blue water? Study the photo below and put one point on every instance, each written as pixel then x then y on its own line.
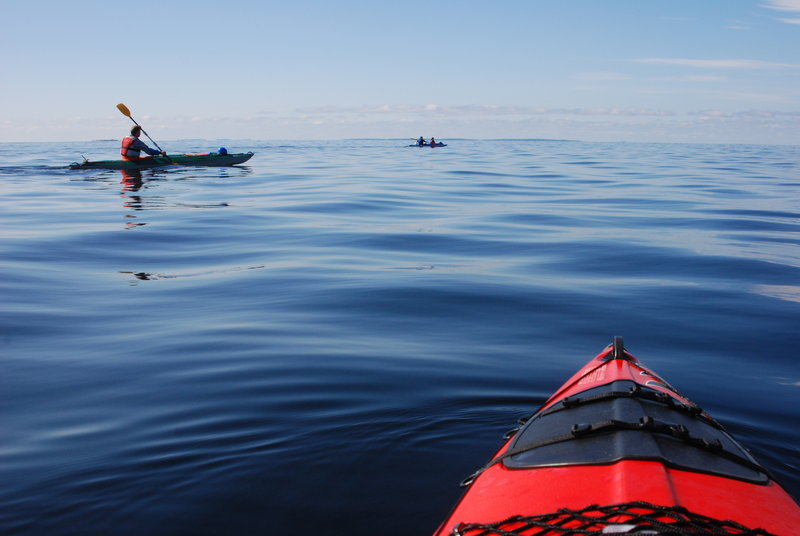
pixel 330 338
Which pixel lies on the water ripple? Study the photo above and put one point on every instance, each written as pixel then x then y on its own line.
pixel 347 324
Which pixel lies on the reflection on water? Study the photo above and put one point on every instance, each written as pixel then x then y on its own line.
pixel 307 342
pixel 142 276
pixel 137 190
pixel 132 182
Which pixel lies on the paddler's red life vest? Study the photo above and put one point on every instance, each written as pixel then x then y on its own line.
pixel 126 151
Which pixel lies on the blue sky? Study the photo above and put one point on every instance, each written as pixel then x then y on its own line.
pixel 717 71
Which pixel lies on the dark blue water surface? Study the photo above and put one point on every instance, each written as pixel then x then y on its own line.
pixel 331 337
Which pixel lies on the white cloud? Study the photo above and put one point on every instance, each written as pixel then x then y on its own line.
pixel 603 76
pixel 719 64
pixel 782 5
pixel 722 94
pixel 692 78
pixel 369 109
pixel 618 112
pixel 792 6
pixel 477 111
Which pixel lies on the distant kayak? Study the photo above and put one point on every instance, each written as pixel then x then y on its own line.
pixel 429 145
pixel 618 450
pixel 206 159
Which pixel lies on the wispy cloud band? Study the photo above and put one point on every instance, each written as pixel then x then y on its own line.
pixel 791 6
pixel 480 110
pixel 718 63
pixel 782 5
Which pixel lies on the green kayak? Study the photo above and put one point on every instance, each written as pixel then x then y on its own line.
pixel 208 159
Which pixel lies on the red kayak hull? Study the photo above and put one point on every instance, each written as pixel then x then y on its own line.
pixel 499 492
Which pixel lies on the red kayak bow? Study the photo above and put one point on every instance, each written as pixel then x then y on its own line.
pixel 618 450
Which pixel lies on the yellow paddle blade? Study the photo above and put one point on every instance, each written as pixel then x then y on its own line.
pixel 124 109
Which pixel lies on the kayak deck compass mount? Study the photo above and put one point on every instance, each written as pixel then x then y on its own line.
pixel 618 350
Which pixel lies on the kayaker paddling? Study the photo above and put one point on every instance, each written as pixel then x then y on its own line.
pixel 132 146
pixel 421 142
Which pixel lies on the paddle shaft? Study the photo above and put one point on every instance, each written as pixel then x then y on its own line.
pixel 146 134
